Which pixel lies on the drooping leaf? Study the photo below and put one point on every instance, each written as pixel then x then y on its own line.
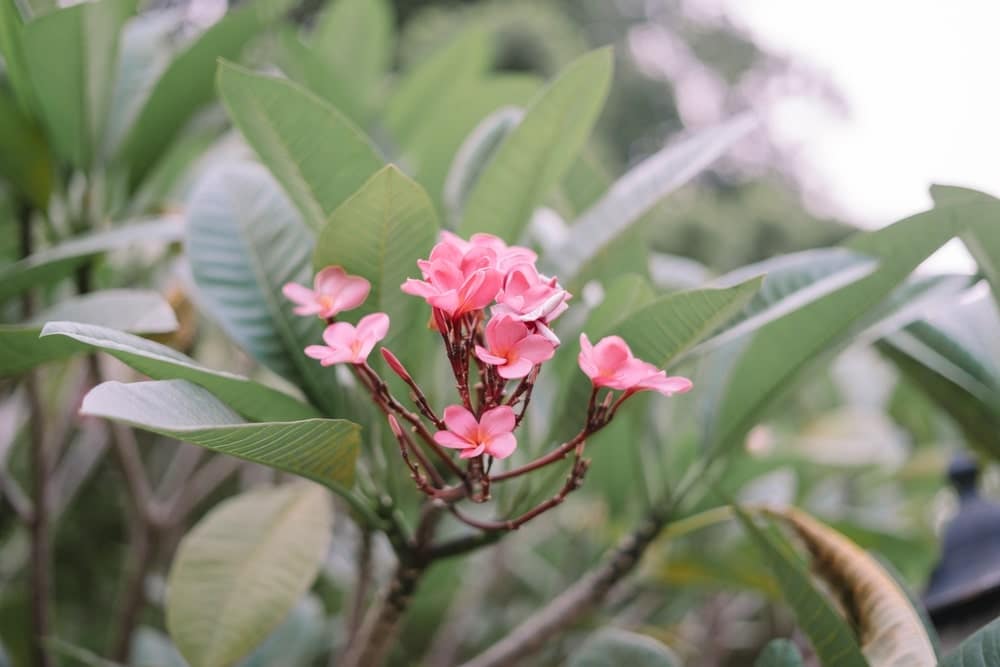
pixel 315 152
pixel 303 65
pixel 980 650
pixel 25 161
pixel 890 631
pixel 323 450
pixel 354 37
pixel 779 653
pixel 533 158
pixel 635 193
pixel 47 266
pixel 610 647
pixel 251 399
pixel 72 55
pixel 244 242
pixel 239 572
pixel 831 636
pixel 379 233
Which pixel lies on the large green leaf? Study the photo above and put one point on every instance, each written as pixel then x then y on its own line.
pixel 635 193
pixel 982 233
pixel 251 399
pixel 323 450
pixel 51 264
pixel 354 37
pixel 25 161
pixel 980 650
pixel 132 310
pixel 72 57
pixel 240 571
pixel 297 642
pixel 831 636
pixel 379 234
pixel 245 241
pixel 15 63
pixel 305 66
pixel 314 151
pixel 187 85
pixel 779 653
pixel 612 647
pixel 534 157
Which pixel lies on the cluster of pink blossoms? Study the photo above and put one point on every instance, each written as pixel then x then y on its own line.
pixel 494 311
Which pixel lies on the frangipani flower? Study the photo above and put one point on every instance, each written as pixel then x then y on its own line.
pixel 457 281
pixel 530 296
pixel 610 363
pixel 492 434
pixel 512 348
pixel 346 343
pixel 334 291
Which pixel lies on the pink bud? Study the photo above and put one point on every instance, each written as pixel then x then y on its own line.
pixel 394 425
pixel 396 365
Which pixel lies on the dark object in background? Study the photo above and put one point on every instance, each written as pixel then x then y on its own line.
pixel 964 590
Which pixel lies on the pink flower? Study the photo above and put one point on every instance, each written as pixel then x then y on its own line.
pixel 346 343
pixel 333 292
pixel 530 296
pixel 506 256
pixel 513 349
pixel 492 434
pixel 611 364
pixel 459 277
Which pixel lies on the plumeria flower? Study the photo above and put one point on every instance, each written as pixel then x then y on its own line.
pixel 334 291
pixel 492 434
pixel 530 296
pixel 457 281
pixel 346 343
pixel 610 363
pixel 506 257
pixel 512 348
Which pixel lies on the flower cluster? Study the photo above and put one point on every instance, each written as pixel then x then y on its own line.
pixel 494 312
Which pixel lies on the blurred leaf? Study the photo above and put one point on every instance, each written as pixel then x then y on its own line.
pixel 379 234
pixel 79 655
pixel 187 85
pixel 982 233
pixel 239 572
pixel 315 152
pixel 612 647
pixel 305 66
pixel 297 641
pixel 251 399
pixel 533 158
pixel 586 181
pixel 355 38
pixel 635 193
pixel 323 450
pixel 72 54
pixel 12 49
pixel 473 156
pixel 51 264
pixel 780 653
pixel 244 242
pixel 152 648
pixel 890 630
pixel 980 650
pixel 24 156
pixel 831 637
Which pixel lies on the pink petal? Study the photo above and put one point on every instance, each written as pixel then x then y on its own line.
pixel 668 386
pixel 373 328
pixel 298 294
pixel 339 334
pixel 360 355
pixel 611 353
pixel 518 368
pixel 502 446
pixel 308 309
pixel 330 280
pixel 472 453
pixel 318 352
pixel 484 355
pixel 446 301
pixel 547 333
pixel 461 422
pixel 496 422
pixel 586 358
pixel 418 288
pixel 535 348
pixel 353 293
pixel 504 332
pixel 452 441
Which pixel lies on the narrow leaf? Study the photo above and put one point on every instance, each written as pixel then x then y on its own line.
pixel 306 67
pixel 355 38
pixel 25 161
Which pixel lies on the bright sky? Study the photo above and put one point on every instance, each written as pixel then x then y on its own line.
pixel 920 79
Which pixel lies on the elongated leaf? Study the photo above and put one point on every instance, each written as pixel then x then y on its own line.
pixel 242 568
pixel 323 450
pixel 980 650
pixel 245 241
pixel 315 152
pixel 646 184
pixel 25 161
pixel 15 63
pixel 379 233
pixel 982 233
pixel 72 56
pixel 297 642
pixel 619 647
pixel 779 653
pixel 830 634
pixel 51 264
pixel 132 310
pixel 354 37
pixel 890 630
pixel 187 85
pixel 473 156
pixel 535 156
pixel 252 400
pixel 305 66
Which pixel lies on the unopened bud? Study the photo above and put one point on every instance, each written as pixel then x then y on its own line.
pixel 394 425
pixel 396 365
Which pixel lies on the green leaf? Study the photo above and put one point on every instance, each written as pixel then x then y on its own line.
pixel 473 156
pixel 315 152
pixel 298 641
pixel 25 160
pixel 779 653
pixel 379 234
pixel 980 650
pixel 355 38
pixel 535 156
pixel 153 648
pixel 982 233
pixel 645 185
pixel 49 265
pixel 15 63
pixel 304 66
pixel 831 636
pixel 187 85
pixel 323 450
pixel 244 242
pixel 251 399
pixel 612 647
pixel 72 56
pixel 241 569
